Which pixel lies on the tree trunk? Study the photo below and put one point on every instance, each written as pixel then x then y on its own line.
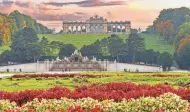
pixel 134 56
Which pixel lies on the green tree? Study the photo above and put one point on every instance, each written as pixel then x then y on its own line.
pixel 177 16
pixel 183 53
pixel 19 19
pixel 116 45
pixel 165 60
pixel 1 41
pixel 5 57
pixel 23 20
pixel 45 47
pixel 104 47
pixel 135 44
pixel 183 32
pixel 92 50
pixel 66 50
pixel 25 45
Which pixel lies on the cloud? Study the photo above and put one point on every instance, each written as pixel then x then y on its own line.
pixel 23 4
pixel 7 2
pixel 60 17
pixel 81 11
pixel 88 3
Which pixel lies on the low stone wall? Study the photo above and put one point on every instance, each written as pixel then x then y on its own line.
pixel 111 66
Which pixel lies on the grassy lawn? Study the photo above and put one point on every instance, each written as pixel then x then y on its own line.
pixel 152 41
pixel 155 42
pixel 76 39
pixel 139 78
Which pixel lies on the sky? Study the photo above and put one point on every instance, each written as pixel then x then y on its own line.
pixel 51 13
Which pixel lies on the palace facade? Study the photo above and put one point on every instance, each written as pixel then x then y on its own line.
pixel 96 25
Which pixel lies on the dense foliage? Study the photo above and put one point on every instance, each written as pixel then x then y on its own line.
pixel 183 53
pixel 66 50
pixel 9 24
pixel 26 47
pixel 174 25
pixel 7 28
pixel 23 20
pixel 176 16
pixel 165 60
pixel 182 45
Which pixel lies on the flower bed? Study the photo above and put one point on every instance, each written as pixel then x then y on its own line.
pixel 115 91
pixel 168 102
pixel 57 75
pixel 166 75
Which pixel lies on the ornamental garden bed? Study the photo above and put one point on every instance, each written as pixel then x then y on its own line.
pixel 118 92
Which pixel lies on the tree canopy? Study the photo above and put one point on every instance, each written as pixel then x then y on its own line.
pixel 9 24
pixel 25 45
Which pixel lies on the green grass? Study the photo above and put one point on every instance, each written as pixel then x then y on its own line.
pixel 156 43
pixel 139 78
pixel 152 41
pixel 76 39
pixel 4 48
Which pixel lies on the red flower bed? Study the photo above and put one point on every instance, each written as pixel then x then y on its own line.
pixel 116 91
pixel 70 109
pixel 28 95
pixel 56 75
pixel 166 75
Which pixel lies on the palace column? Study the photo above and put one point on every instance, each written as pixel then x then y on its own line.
pixel 87 26
pixel 127 28
pixel 80 29
pixel 116 28
pixel 77 28
pixel 120 28
pixel 67 29
pixel 111 28
pixel 64 27
pixel 72 28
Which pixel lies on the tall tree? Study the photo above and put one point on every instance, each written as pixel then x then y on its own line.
pixel 166 29
pixel 165 60
pixel 45 47
pixel 66 50
pixel 183 32
pixel 116 45
pixel 135 44
pixel 183 53
pixel 92 50
pixel 25 45
pixel 5 29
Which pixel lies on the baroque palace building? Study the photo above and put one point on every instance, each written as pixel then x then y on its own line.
pixel 96 25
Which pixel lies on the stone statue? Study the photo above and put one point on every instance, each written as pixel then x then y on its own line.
pixel 86 59
pixel 66 59
pixel 57 59
pixel 94 59
pixel 76 52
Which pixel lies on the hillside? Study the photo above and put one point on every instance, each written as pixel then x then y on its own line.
pixel 152 41
pixel 9 24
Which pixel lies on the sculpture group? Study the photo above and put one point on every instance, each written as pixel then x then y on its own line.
pixel 76 62
pixel 96 25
